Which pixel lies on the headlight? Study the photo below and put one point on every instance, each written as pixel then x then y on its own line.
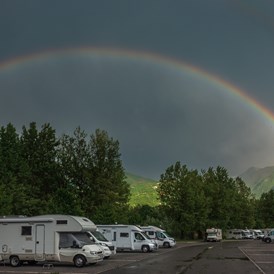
pixel 103 244
pixel 93 252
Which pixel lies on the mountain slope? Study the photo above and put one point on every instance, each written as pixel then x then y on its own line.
pixel 143 190
pixel 259 180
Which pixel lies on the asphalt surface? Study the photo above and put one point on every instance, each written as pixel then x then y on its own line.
pixel 226 257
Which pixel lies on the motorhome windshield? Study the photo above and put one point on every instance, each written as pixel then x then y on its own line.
pixel 74 239
pixel 139 236
pixel 146 236
pixel 167 235
pixel 160 235
pixel 99 236
pixel 212 234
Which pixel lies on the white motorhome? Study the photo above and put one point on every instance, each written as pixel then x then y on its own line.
pixel 55 238
pixel 257 234
pixel 127 237
pixel 213 235
pixel 97 237
pixel 269 237
pixel 159 235
pixel 234 234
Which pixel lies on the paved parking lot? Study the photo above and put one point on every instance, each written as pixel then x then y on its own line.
pixel 243 256
pixel 261 254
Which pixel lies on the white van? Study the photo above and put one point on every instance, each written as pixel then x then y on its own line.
pixel 97 237
pixel 213 235
pixel 234 234
pixel 258 234
pixel 269 237
pixel 127 237
pixel 159 235
pixel 59 238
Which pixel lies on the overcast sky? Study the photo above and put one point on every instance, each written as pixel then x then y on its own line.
pixel 159 112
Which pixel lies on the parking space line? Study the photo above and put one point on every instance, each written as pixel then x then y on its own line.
pixel 251 260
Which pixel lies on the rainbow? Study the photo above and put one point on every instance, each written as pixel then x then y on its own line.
pixel 142 56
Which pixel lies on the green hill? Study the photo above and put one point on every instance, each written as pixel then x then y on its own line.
pixel 260 180
pixel 143 190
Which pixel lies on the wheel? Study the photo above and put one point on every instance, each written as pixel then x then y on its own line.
pixel 14 261
pixel 166 244
pixel 79 261
pixel 268 240
pixel 145 249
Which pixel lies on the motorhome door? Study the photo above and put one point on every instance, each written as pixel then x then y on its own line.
pixel 39 242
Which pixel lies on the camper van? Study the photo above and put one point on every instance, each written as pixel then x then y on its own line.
pixel 127 237
pixel 234 234
pixel 213 235
pixel 97 237
pixel 269 237
pixel 56 238
pixel 159 235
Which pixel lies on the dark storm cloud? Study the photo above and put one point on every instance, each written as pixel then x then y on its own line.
pixel 159 115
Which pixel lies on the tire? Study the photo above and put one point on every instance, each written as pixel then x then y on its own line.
pixel 14 261
pixel 268 240
pixel 166 244
pixel 79 261
pixel 145 249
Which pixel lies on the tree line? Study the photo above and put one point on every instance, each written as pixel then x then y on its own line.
pixel 83 174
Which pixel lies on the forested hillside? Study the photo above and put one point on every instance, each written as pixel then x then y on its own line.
pixel 82 174
pixel 260 180
pixel 143 191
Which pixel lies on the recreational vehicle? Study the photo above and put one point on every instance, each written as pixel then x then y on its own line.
pixel 213 235
pixel 55 238
pixel 127 237
pixel 257 234
pixel 269 237
pixel 234 234
pixel 159 235
pixel 97 237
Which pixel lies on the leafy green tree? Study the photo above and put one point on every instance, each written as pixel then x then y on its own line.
pixel 39 150
pixel 266 208
pixel 13 171
pixel 94 169
pixel 219 187
pixel 182 197
pixel 107 170
pixel 73 159
pixel 243 206
pixel 230 200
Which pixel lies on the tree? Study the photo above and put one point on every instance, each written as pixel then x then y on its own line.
pixel 266 208
pixel 183 199
pixel 13 171
pixel 39 150
pixel 243 206
pixel 230 200
pixel 94 169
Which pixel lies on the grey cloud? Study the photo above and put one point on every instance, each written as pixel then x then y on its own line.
pixel 158 117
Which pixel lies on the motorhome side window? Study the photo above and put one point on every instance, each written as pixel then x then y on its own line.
pixel 124 235
pixel 61 222
pixel 26 230
pixel 150 233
